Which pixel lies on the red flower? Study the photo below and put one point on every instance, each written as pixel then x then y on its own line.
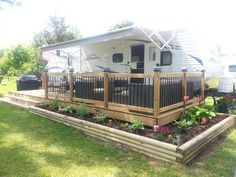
pixel 164 130
pixel 186 98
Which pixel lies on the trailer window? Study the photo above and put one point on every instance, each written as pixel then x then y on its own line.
pixel 69 60
pixel 166 58
pixel 117 57
pixel 232 68
pixel 152 53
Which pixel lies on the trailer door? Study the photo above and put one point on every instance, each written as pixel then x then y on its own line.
pixel 137 60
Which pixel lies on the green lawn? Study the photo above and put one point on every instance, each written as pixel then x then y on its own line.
pixel 34 146
pixel 8 84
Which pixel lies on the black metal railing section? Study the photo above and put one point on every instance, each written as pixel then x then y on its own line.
pixel 170 91
pixel 131 91
pixel 89 87
pixel 58 85
pixel 127 89
pixel 193 86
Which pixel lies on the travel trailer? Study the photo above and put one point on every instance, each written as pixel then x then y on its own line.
pixel 132 50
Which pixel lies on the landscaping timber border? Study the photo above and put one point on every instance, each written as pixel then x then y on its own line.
pixel 153 148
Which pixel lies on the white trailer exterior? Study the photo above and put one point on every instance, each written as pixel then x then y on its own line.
pixel 133 50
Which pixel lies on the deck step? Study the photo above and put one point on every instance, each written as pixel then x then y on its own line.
pixel 29 96
pixel 22 100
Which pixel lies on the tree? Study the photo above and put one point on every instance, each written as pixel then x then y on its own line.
pixel 9 2
pixel 56 31
pixel 122 24
pixel 21 59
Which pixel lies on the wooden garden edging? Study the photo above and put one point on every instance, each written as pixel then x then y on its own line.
pixel 153 148
pixel 192 148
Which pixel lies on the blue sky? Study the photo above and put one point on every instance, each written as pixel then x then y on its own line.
pixel 214 20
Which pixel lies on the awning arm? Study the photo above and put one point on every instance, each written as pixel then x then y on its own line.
pixel 159 36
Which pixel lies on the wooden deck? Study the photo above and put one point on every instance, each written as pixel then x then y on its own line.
pixel 155 99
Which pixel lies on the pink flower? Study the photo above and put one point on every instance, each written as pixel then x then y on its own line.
pixel 200 98
pixel 186 98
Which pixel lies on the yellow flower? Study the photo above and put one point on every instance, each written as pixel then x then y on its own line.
pixel 170 137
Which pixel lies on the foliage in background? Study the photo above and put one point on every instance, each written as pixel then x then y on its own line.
pixel 9 2
pixel 22 59
pixel 213 82
pixel 25 59
pixel 122 24
pixel 56 31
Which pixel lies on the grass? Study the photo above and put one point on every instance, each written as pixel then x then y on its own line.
pixel 8 84
pixel 34 146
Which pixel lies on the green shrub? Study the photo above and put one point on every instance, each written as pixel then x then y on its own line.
pixel 81 110
pixel 232 112
pixel 192 116
pixel 225 103
pixel 136 125
pixel 67 109
pixel 101 117
pixel 54 103
pixel 125 125
pixel 184 124
pixel 160 137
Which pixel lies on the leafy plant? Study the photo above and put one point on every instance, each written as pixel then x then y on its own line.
pixel 45 103
pixel 54 104
pixel 81 110
pixel 184 124
pixel 160 137
pixel 101 117
pixel 136 125
pixel 67 109
pixel 232 112
pixel 225 104
pixel 125 125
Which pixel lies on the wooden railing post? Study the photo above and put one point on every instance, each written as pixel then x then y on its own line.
pixel 184 85
pixel 46 83
pixel 202 83
pixel 157 84
pixel 71 85
pixel 106 89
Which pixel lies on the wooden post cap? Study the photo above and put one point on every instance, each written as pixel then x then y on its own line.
pixel 203 70
pixel 157 69
pixel 184 69
pixel 72 70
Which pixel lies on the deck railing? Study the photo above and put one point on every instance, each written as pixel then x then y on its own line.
pixel 152 94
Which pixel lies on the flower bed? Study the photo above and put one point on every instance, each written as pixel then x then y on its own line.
pixel 153 148
pixel 176 133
